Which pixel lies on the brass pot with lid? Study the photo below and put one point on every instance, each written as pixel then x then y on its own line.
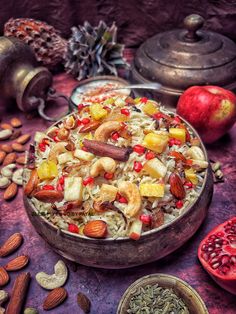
pixel 182 58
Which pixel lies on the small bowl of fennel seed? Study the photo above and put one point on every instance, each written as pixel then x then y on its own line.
pixel 161 294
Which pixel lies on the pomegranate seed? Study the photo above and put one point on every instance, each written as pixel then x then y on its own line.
pixel 177 142
pixel 188 184
pixel 171 142
pixel 88 180
pixel 108 176
pixel 61 180
pixel 115 136
pixel 59 187
pixel 42 147
pixel 139 149
pixel 123 126
pixel 84 148
pixel 80 107
pixel 56 139
pixel 138 166
pixel 48 187
pixel 73 228
pixel 146 219
pixel 150 155
pixel 123 200
pixel 125 112
pixel 176 120
pixel 225 259
pixel 45 141
pixel 144 99
pixel 157 116
pixel 179 204
pixel 79 122
pixel 85 120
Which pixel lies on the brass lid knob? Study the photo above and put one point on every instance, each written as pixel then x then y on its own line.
pixel 193 23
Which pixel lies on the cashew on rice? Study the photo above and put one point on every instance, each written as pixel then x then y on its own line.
pixel 104 130
pixel 57 149
pixel 106 164
pixel 131 192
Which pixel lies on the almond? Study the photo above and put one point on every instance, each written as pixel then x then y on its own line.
pixel 9 159
pixel 32 183
pixel 21 160
pixel 11 244
pixel 2 156
pixel 5 126
pixel 6 148
pixel 15 134
pixel 84 302
pixel 16 123
pixel 10 191
pixel 17 263
pixel 49 196
pixel 4 277
pixel 54 298
pixel 23 138
pixel 18 147
pixel 95 229
pixel 89 127
pixel 176 186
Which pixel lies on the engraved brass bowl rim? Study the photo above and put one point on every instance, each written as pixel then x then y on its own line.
pixel 180 287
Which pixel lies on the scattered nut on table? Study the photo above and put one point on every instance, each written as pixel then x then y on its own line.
pixel 7 171
pixel 4 182
pixel 18 176
pixel 5 134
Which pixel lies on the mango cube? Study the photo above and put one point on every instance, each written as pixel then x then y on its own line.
pixel 178 133
pixel 155 168
pixel 47 170
pixel 150 108
pixel 156 142
pixel 97 111
pixel 191 175
pixel 152 189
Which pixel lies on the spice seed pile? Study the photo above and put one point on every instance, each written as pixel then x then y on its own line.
pixel 53 282
pixel 12 157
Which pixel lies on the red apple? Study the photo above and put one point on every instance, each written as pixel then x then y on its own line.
pixel 210 109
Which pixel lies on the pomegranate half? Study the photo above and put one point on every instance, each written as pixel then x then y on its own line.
pixel 217 254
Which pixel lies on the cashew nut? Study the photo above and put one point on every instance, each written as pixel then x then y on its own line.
pixel 131 192
pixel 5 134
pixel 104 130
pixel 18 176
pixel 3 296
pixel 200 164
pixel 4 182
pixel 7 171
pixel 57 149
pixel 196 153
pixel 55 280
pixel 2 310
pixel 106 164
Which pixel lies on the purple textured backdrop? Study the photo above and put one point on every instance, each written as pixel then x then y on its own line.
pixel 105 287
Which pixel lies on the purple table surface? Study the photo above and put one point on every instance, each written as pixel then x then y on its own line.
pixel 105 287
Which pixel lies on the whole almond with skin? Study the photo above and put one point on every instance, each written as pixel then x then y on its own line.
pixel 11 244
pixel 23 138
pixel 21 160
pixel 16 123
pixel 18 147
pixel 15 134
pixel 95 229
pixel 4 277
pixel 84 302
pixel 2 156
pixel 54 298
pixel 176 186
pixel 5 126
pixel 10 191
pixel 6 148
pixel 9 159
pixel 32 183
pixel 17 263
pixel 49 196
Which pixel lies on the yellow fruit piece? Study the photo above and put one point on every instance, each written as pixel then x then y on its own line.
pixel 88 136
pixel 152 189
pixel 47 170
pixel 156 142
pixel 97 111
pixel 155 168
pixel 108 193
pixel 179 134
pixel 109 101
pixel 150 108
pixel 191 175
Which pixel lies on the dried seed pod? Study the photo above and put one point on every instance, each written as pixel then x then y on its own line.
pixel 84 302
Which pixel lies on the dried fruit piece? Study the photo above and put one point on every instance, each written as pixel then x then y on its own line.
pixel 10 192
pixel 55 280
pixel 95 229
pixel 16 123
pixel 49 196
pixel 32 183
pixel 17 263
pixel 2 156
pixel 4 277
pixel 54 298
pixel 93 125
pixel 9 159
pixel 84 302
pixel 23 138
pixel 18 147
pixel 6 148
pixel 11 244
pixel 176 186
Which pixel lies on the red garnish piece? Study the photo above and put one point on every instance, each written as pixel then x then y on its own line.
pixel 144 99
pixel 84 148
pixel 79 122
pixel 85 120
pixel 138 166
pixel 42 147
pixel 61 180
pixel 48 187
pixel 108 176
pixel 88 180
pixel 80 107
pixel 59 187
pixel 188 184
pixel 146 219
pixel 176 120
pixel 150 155
pixel 125 112
pixel 139 149
pixel 115 136
pixel 174 141
pixel 179 204
pixel 121 199
pixel 177 156
pixel 73 228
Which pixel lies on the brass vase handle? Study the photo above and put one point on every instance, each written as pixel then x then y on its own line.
pixel 193 23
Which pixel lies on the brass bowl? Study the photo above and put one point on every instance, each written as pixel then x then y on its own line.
pixel 124 252
pixel 181 288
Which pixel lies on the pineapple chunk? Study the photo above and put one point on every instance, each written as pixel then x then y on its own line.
pixel 135 229
pixel 178 133
pixel 81 154
pixel 156 142
pixel 108 193
pixel 97 111
pixel 191 175
pixel 47 170
pixel 73 189
pixel 155 168
pixel 64 158
pixel 152 189
pixel 150 108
